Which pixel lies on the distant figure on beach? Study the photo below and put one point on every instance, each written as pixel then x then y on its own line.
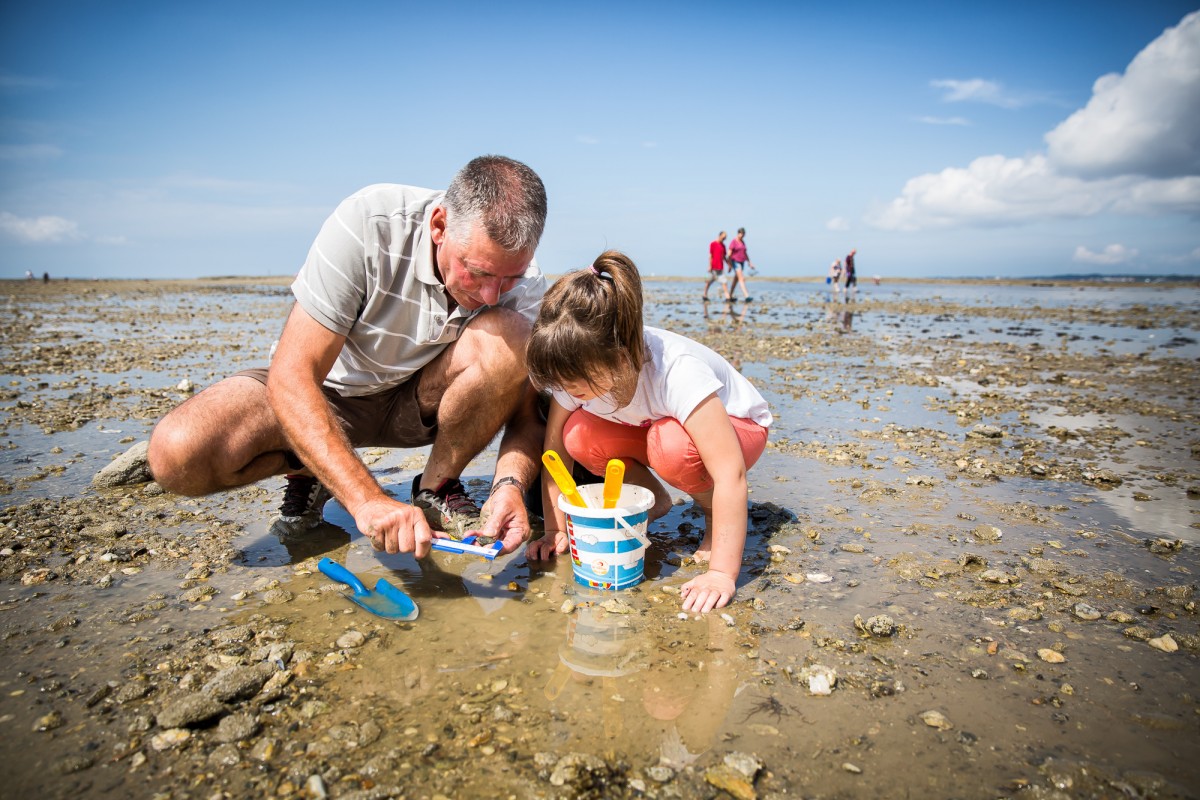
pixel 45 277
pixel 834 278
pixel 739 259
pixel 851 276
pixel 28 274
pixel 409 329
pixel 654 399
pixel 716 266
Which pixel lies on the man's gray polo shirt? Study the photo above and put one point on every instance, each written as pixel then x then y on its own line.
pixel 370 276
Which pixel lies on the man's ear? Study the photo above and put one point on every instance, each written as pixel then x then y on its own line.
pixel 437 225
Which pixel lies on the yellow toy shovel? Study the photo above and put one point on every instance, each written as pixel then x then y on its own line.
pixel 566 484
pixel 614 479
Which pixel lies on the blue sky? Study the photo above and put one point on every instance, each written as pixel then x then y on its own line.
pixel 975 139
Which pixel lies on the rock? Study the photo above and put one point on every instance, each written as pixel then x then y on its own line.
pixel 819 678
pixel 989 534
pixel 237 683
pixel 189 710
pixel 225 755
pixel 236 728
pixel 880 625
pixel 127 469
pixel 998 576
pixel 48 722
pixel 577 768
pixel 748 765
pixel 936 719
pixel 1051 656
pixel 1164 643
pixel 351 639
pixel 170 738
pixel 731 781
pixel 1085 612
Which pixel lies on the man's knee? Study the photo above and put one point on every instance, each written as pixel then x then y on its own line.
pixel 167 456
pixel 498 337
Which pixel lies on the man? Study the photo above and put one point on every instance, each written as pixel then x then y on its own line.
pixel 851 276
pixel 716 266
pixel 411 316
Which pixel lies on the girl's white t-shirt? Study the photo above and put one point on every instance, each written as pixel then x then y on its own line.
pixel 678 374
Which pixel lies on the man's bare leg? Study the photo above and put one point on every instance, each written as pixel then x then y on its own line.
pixel 224 437
pixel 474 387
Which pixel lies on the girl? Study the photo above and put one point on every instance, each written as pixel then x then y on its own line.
pixel 653 399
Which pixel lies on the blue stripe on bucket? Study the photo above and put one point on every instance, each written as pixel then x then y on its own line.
pixel 608 523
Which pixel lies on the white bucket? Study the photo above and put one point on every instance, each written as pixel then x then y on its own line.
pixel 608 545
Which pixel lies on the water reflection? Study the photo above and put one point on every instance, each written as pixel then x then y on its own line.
pixel 665 691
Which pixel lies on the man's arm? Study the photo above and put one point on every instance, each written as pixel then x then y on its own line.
pixel 304 356
pixel 520 458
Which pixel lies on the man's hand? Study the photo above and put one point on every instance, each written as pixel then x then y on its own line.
pixel 506 519
pixel 394 526
pixel 705 592
pixel 553 543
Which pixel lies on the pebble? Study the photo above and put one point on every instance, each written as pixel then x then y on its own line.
pixel 237 727
pixel 853 769
pixel 1164 643
pixel 989 534
pixel 238 682
pixel 1085 612
pixel 936 719
pixel 48 722
pixel 351 639
pixel 820 679
pixel 998 576
pixel 568 606
pixel 170 738
pixel 1051 656
pixel 819 577
pixel 190 710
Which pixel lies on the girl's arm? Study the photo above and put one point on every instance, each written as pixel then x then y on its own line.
pixel 721 453
pixel 555 540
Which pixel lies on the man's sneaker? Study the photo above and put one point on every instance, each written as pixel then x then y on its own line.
pixel 303 500
pixel 447 508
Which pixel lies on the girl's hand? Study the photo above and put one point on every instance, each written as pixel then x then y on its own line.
pixel 708 591
pixel 553 543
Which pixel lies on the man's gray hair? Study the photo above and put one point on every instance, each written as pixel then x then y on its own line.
pixel 504 196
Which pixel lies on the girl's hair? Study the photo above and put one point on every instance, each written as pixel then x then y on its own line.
pixel 589 327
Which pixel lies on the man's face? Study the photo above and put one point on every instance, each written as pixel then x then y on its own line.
pixel 475 272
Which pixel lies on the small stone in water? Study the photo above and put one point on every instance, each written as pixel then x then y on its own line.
pixel 1051 656
pixel 819 577
pixel 351 639
pixel 1165 643
pixel 936 719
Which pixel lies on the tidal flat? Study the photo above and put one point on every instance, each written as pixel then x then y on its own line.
pixel 970 573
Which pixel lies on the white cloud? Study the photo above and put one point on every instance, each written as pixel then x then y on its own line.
pixel 838 224
pixel 1113 254
pixel 26 152
pixel 1081 176
pixel 1145 122
pixel 944 120
pixel 978 90
pixel 38 230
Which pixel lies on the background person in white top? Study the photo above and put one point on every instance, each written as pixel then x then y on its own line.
pixel 654 399
pixel 411 317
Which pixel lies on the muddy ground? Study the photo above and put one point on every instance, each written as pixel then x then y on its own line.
pixel 971 573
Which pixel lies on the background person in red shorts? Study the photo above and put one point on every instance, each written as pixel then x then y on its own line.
pixel 717 257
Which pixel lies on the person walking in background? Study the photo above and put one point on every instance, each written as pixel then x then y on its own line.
pixel 851 277
pixel 716 266
pixel 739 259
pixel 834 278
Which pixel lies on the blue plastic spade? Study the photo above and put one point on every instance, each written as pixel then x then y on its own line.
pixel 386 601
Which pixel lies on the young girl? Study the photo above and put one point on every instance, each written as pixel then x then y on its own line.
pixel 653 399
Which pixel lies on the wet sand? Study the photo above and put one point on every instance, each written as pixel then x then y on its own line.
pixel 976 525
